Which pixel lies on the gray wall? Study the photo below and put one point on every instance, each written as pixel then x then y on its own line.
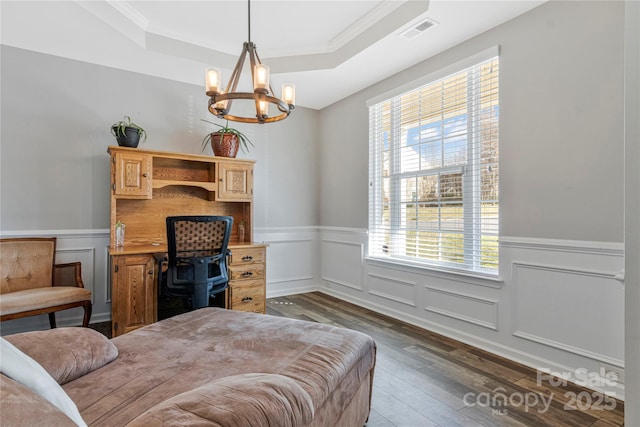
pixel 56 115
pixel 561 128
pixel 286 176
pixel 561 134
pixel 632 213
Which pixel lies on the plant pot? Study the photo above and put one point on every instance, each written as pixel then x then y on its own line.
pixel 224 145
pixel 129 138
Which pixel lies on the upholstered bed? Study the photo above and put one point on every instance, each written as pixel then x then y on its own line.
pixel 207 367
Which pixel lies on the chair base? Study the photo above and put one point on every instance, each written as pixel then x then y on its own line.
pixel 172 306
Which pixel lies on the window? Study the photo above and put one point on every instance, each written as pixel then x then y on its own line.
pixel 433 171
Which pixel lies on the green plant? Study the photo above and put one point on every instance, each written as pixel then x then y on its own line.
pixel 119 128
pixel 242 138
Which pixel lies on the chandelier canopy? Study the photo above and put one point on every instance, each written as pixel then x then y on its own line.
pixel 221 99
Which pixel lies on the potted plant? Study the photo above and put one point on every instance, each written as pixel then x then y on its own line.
pixel 128 133
pixel 226 141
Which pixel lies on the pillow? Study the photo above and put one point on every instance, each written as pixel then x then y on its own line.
pixel 66 353
pixel 23 369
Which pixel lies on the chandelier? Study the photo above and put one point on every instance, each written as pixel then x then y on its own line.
pixel 221 99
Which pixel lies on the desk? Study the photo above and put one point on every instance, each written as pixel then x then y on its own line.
pixel 146 187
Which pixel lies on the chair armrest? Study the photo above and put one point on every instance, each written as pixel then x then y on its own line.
pixel 68 274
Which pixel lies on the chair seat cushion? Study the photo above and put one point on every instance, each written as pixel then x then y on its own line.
pixel 66 353
pixel 35 299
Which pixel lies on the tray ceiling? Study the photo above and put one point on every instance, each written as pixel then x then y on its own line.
pixel 330 49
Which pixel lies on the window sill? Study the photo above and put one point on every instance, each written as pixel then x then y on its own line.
pixel 494 281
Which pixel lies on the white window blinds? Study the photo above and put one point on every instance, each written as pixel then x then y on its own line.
pixel 433 171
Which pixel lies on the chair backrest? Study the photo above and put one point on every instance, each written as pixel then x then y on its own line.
pixel 197 249
pixel 197 236
pixel 26 263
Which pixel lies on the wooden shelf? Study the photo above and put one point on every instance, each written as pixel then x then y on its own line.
pixel 161 183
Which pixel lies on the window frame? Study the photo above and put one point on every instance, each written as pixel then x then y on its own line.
pixel 471 176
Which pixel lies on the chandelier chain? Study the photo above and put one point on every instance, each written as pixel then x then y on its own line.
pixel 249 20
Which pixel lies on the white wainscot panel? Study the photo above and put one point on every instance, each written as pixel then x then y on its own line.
pixel 578 311
pixel 392 289
pixel 342 262
pixel 290 260
pixel 462 306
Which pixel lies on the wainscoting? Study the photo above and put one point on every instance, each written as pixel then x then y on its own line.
pixel 558 306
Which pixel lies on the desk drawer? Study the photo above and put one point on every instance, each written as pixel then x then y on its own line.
pixel 248 296
pixel 246 272
pixel 241 256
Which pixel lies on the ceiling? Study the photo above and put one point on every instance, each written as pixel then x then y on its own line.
pixel 330 49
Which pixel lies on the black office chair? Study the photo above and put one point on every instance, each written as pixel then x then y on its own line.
pixel 197 258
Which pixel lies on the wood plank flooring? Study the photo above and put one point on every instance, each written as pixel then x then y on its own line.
pixel 424 379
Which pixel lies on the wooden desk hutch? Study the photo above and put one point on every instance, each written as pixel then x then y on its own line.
pixel 146 187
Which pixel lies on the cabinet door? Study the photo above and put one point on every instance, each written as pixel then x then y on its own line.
pixel 134 294
pixel 235 182
pixel 132 176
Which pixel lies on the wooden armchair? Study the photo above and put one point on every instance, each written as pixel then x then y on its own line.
pixel 31 284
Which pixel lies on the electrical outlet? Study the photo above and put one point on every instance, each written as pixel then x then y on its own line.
pixel 613 373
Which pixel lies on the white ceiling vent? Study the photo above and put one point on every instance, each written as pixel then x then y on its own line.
pixel 417 29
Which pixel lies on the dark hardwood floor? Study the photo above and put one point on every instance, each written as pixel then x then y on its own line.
pixel 423 379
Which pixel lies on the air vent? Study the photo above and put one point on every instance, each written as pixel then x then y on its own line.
pixel 417 29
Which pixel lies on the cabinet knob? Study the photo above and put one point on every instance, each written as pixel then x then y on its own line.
pixel 144 175
pixel 247 299
pixel 221 180
pixel 247 274
pixel 247 258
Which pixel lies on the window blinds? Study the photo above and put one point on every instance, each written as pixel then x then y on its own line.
pixel 433 169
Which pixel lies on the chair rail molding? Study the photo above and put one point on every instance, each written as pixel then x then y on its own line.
pixel 60 234
pixel 576 246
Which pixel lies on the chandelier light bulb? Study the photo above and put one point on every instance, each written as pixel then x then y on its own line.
pixel 263 108
pixel 289 93
pixel 261 78
pixel 213 80
pixel 221 105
